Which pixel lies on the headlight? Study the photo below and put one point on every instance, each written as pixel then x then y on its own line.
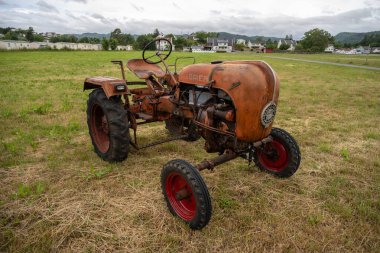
pixel 268 113
pixel 120 87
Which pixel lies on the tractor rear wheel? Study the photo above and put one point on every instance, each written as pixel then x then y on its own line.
pixel 186 193
pixel 280 157
pixel 108 126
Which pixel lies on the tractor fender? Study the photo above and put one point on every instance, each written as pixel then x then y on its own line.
pixel 110 85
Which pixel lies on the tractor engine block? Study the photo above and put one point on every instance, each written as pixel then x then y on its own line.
pixel 219 116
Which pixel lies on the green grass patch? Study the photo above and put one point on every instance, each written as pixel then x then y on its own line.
pixel 29 190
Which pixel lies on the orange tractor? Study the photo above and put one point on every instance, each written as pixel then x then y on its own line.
pixel 231 104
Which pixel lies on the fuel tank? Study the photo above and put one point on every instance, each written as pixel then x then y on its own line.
pixel 253 87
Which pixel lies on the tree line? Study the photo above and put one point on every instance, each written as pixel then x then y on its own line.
pixel 21 34
pixel 314 40
pixel 138 43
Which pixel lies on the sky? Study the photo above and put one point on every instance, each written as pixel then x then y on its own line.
pixel 275 18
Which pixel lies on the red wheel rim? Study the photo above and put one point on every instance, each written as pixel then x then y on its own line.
pixel 100 129
pixel 274 156
pixel 186 207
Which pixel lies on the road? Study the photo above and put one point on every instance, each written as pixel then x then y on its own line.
pixel 323 62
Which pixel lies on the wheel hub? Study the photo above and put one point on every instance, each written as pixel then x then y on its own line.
pixel 274 156
pixel 181 196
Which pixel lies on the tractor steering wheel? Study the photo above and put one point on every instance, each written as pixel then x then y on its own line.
pixel 162 56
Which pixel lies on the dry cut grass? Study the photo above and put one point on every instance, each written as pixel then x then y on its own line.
pixel 58 196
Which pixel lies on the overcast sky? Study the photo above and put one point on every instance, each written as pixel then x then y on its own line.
pixel 249 17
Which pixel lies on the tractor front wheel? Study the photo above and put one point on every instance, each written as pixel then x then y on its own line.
pixel 280 157
pixel 186 193
pixel 108 126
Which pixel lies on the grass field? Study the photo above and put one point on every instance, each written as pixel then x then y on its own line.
pixel 371 60
pixel 57 195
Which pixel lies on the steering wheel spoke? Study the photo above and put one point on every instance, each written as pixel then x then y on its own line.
pixel 158 53
pixel 150 57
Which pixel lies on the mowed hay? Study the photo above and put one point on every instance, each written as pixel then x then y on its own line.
pixel 57 195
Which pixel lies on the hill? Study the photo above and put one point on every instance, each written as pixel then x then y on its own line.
pixel 352 38
pixel 222 35
pixel 92 35
pixel 225 35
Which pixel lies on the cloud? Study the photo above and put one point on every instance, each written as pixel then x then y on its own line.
pixel 40 21
pixel 353 21
pixel 176 6
pixel 45 7
pixel 2 2
pixel 137 8
pixel 78 1
pixel 215 12
pixel 47 18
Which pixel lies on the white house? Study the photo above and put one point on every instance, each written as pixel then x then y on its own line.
pixel 363 50
pixel 255 44
pixel 345 51
pixel 124 48
pixel 330 48
pixel 163 44
pixel 292 44
pixel 49 35
pixel 375 50
pixel 199 49
pixel 219 45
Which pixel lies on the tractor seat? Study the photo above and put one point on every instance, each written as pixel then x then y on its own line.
pixel 145 70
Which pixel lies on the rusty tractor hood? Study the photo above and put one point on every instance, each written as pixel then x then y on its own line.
pixel 253 87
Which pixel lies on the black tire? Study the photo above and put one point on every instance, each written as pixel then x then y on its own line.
pixel 195 209
pixel 108 126
pixel 173 125
pixel 282 157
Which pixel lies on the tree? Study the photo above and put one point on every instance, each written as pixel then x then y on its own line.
pixel 202 37
pixel 299 47
pixel 29 34
pixel 180 42
pixel 156 32
pixel 10 35
pixel 143 40
pixel 371 39
pixel 84 40
pixel 113 43
pixel 284 47
pixel 5 30
pixel 116 33
pixel 259 39
pixel 316 40
pixel 125 39
pixel 94 40
pixel 239 47
pixel 38 37
pixel 121 38
pixel 105 44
